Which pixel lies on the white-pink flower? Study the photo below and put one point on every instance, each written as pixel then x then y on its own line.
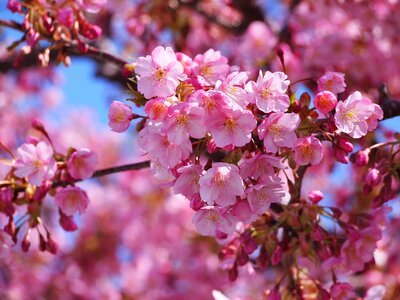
pixel 268 190
pixel 82 163
pixel 278 130
pixel 184 120
pixel 259 165
pixel 159 74
pixel 352 115
pixel 208 220
pixel 325 101
pixel 160 147
pixel 270 91
pixel 187 183
pixel 231 127
pixel 377 115
pixel 36 162
pixel 72 199
pixel 332 81
pixel 211 65
pixel 120 116
pixel 234 87
pixel 308 150
pixel 221 185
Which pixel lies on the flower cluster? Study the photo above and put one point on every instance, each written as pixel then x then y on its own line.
pixel 36 171
pixel 223 139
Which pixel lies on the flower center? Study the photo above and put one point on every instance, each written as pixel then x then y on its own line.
pixel 276 129
pixel 160 74
pixel 265 93
pixel 230 124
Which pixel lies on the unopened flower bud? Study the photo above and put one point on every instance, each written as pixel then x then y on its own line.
pixel 325 101
pixel 362 157
pixel 67 222
pixel 196 203
pixel 345 144
pixel 340 155
pixel 373 177
pixel 52 246
pixel 14 6
pixel 315 196
pixel 220 235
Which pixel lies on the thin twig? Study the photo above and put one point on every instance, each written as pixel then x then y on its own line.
pixel 108 171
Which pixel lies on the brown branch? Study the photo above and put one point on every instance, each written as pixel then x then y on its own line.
pixel 390 107
pixel 70 48
pixel 107 171
pixel 11 24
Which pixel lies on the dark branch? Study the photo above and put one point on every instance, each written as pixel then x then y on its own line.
pixel 108 171
pixel 390 107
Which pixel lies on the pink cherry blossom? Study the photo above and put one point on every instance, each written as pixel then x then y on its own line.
pixel 159 74
pixel 208 220
pixel 120 116
pixel 211 65
pixel 308 150
pixel 82 164
pixel 242 212
pixel 325 101
pixel 268 190
pixel 157 108
pixel 234 87
pixel 332 81
pixel 213 102
pixel 35 162
pixel 160 147
pixel 270 91
pixel 277 130
pixel 233 127
pixel 187 183
pixel 72 199
pixel 376 116
pixel 352 115
pixel 259 165
pixel 184 120
pixel 221 184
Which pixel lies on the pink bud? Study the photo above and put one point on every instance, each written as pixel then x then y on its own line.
pixel 373 177
pixel 362 157
pixel 211 147
pixel 82 163
pixel 345 144
pixel 325 101
pixel 340 155
pixel 120 116
pixel 196 203
pixel 315 196
pixel 91 31
pixel 14 6
pixel 52 246
pixel 67 223
pixel 220 235
pixel 26 242
pixel 233 273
